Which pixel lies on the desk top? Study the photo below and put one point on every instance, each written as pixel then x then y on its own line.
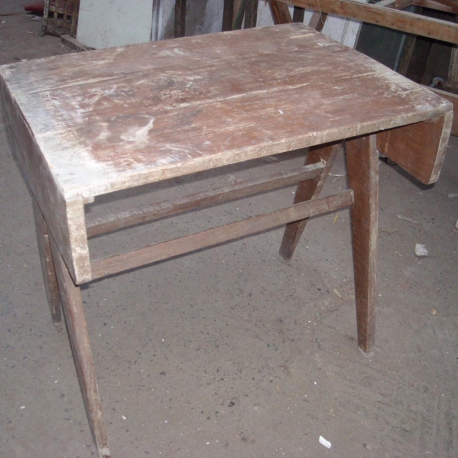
pixel 112 119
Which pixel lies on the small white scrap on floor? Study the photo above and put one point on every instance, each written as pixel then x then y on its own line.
pixel 324 442
pixel 420 250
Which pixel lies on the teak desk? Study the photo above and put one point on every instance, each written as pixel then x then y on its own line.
pixel 84 125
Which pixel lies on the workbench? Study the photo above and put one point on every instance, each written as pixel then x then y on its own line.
pixel 86 125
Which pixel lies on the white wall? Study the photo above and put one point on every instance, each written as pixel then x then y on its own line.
pixel 106 23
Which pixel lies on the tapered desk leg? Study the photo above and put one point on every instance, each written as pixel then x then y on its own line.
pixel 363 178
pixel 47 266
pixel 307 190
pixel 79 339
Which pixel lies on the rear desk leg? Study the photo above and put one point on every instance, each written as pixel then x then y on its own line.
pixel 79 339
pixel 47 265
pixel 363 178
pixel 307 190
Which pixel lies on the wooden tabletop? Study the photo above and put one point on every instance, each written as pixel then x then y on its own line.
pixel 112 119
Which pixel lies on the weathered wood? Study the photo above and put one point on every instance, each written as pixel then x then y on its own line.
pixel 454 99
pixel 363 177
pixel 386 17
pixel 88 124
pixel 74 43
pixel 453 67
pixel 180 18
pixel 116 112
pixel 407 54
pixel 250 226
pixel 228 15
pixel 403 146
pixel 201 200
pixel 448 6
pixel 47 266
pixel 280 12
pixel 239 11
pixel 298 14
pixel 308 190
pixel 251 14
pixel 81 349
pixel 65 219
pixel 318 20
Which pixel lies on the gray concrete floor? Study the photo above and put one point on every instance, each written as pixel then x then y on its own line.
pixel 231 352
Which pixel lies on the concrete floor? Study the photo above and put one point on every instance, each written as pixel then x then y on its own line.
pixel 231 352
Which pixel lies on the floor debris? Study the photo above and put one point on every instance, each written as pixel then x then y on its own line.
pixel 324 442
pixel 420 250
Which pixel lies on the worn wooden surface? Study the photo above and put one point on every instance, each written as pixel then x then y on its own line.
pixel 180 18
pixel 280 13
pixel 363 177
pixel 210 237
pixel 403 145
pixel 453 98
pixel 386 17
pixel 47 265
pixel 65 219
pixel 307 190
pixel 214 196
pixel 112 119
pixel 82 354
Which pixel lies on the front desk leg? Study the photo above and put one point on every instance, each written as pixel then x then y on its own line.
pixel 75 320
pixel 363 178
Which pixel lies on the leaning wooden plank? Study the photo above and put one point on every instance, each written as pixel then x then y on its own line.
pixel 280 13
pixel 250 226
pixel 298 14
pixel 81 348
pixel 386 17
pixel 428 140
pixel 449 6
pixel 180 18
pixel 453 67
pixel 454 99
pixel 201 200
pixel 74 43
pixel 228 15
pixel 318 20
pixel 251 14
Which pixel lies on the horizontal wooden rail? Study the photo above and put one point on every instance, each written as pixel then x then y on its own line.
pixel 250 226
pixel 386 17
pixel 215 196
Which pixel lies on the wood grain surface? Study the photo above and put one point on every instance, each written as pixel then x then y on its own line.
pixel 111 119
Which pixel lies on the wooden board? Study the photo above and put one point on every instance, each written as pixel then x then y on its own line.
pixel 453 98
pixel 386 17
pixel 110 119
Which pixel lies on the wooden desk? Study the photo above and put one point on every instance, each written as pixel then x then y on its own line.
pixel 85 125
